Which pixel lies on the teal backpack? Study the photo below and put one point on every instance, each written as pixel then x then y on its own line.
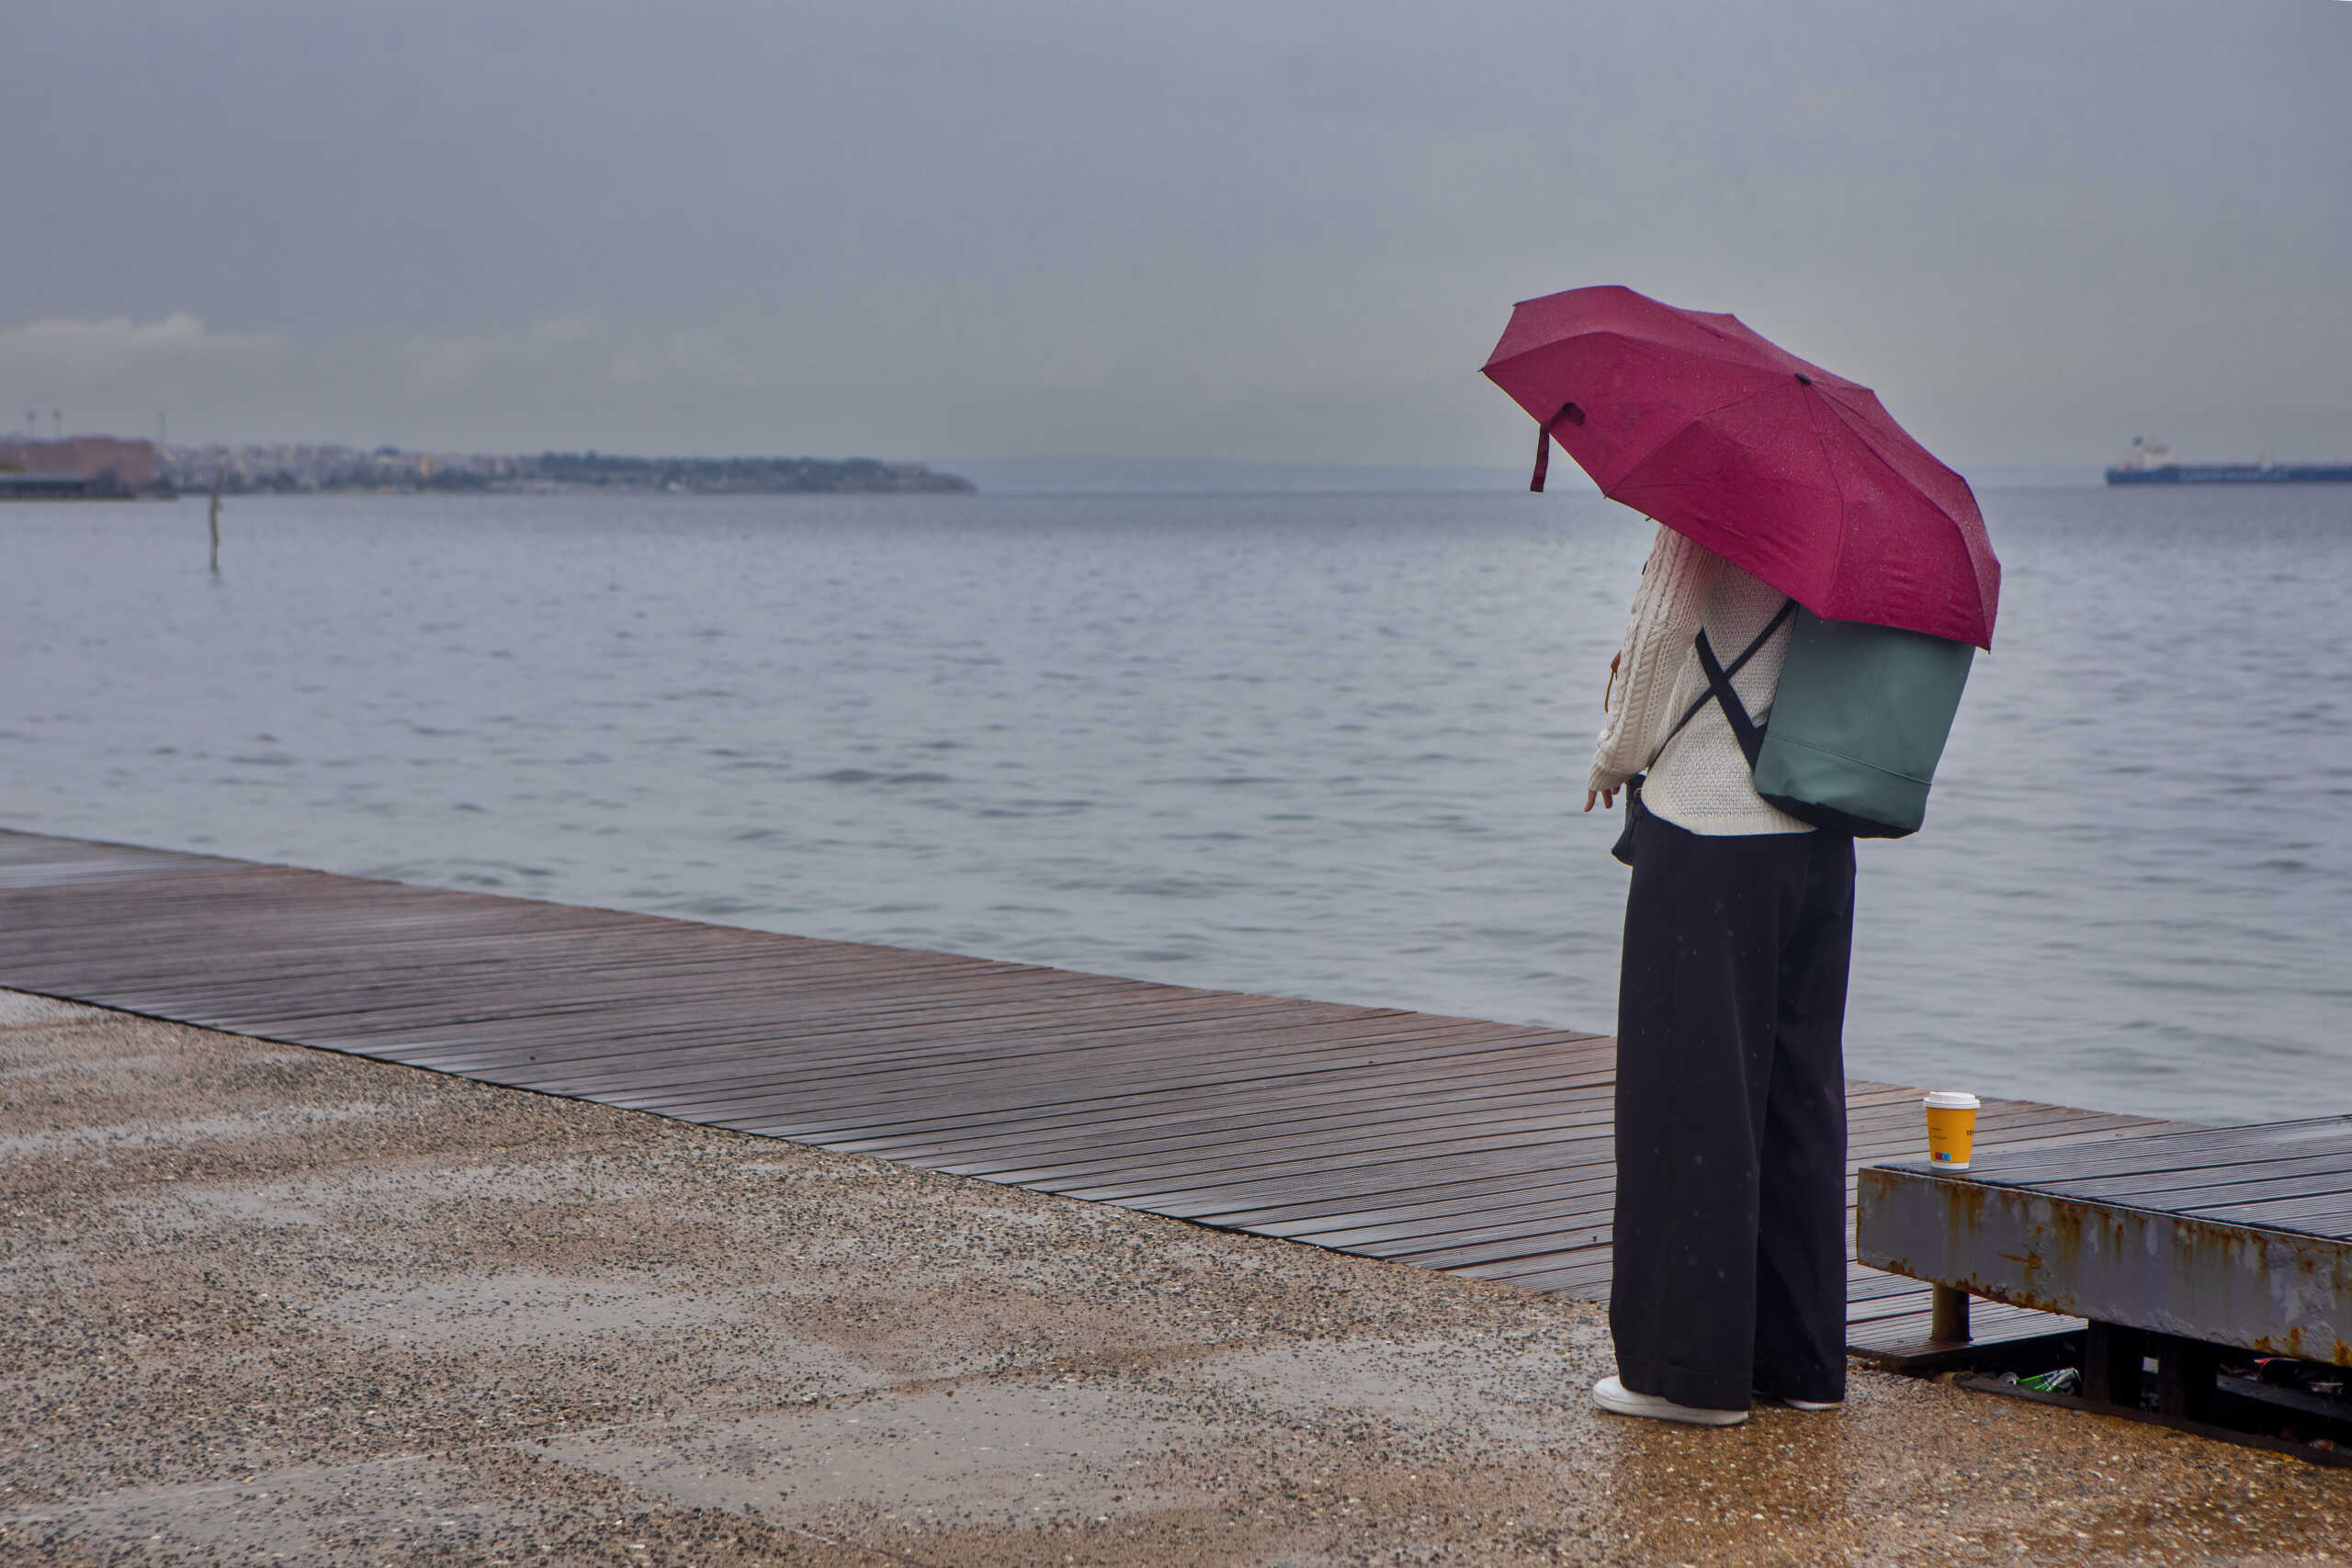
pixel 1853 735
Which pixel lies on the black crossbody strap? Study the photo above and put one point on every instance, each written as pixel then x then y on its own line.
pixel 1743 728
pixel 1719 689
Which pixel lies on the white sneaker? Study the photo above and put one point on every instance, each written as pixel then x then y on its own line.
pixel 1619 1400
pixel 1810 1404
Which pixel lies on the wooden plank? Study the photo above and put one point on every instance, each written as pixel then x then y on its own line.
pixel 808 1064
pixel 1176 1112
pixel 2196 1149
pixel 2313 1215
pixel 823 1042
pixel 897 1098
pixel 1258 1124
pixel 2248 1180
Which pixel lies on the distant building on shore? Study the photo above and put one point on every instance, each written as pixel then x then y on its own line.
pixel 86 458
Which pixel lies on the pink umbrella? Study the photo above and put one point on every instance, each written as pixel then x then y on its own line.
pixel 1787 469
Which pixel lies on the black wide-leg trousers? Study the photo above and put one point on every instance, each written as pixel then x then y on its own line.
pixel 1731 1117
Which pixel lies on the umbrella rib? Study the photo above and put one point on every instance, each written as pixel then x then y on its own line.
pixel 1862 428
pixel 1744 361
pixel 1698 320
pixel 1829 467
pixel 1703 414
pixel 1859 425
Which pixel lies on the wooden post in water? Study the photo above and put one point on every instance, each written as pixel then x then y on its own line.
pixel 216 523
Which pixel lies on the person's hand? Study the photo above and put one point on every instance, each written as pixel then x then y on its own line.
pixel 1608 798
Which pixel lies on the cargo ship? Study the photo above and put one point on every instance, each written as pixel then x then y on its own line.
pixel 2152 463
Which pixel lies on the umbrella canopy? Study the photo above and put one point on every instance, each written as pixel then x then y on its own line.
pixel 1787 469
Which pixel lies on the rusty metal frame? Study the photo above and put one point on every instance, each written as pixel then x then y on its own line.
pixel 2276 1291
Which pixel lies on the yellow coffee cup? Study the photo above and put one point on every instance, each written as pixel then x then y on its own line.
pixel 1952 1128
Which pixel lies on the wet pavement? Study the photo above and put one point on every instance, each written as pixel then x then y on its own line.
pixel 270 1304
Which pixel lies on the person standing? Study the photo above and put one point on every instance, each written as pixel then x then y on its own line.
pixel 1730 1275
pixel 1776 482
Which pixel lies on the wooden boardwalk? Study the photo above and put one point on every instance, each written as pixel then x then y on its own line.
pixel 1450 1143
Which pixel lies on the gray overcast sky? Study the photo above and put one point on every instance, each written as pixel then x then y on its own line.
pixel 1241 230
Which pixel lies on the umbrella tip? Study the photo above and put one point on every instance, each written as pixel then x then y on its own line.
pixel 1803 379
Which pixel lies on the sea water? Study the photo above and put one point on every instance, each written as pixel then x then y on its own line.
pixel 1328 745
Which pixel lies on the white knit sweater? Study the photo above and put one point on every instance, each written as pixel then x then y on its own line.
pixel 1701 780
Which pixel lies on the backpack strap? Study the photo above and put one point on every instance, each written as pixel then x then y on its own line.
pixel 1744 729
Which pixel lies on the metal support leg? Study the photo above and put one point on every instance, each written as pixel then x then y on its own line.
pixel 1947 1314
pixel 2111 1355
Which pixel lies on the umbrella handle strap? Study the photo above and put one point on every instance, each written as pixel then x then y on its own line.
pixel 1568 411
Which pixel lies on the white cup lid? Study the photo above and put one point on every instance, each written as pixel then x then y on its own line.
pixel 1952 1099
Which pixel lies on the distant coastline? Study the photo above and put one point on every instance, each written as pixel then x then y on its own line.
pixel 327 469
pixel 107 468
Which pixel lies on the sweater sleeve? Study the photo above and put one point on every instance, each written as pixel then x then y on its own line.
pixel 1668 610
